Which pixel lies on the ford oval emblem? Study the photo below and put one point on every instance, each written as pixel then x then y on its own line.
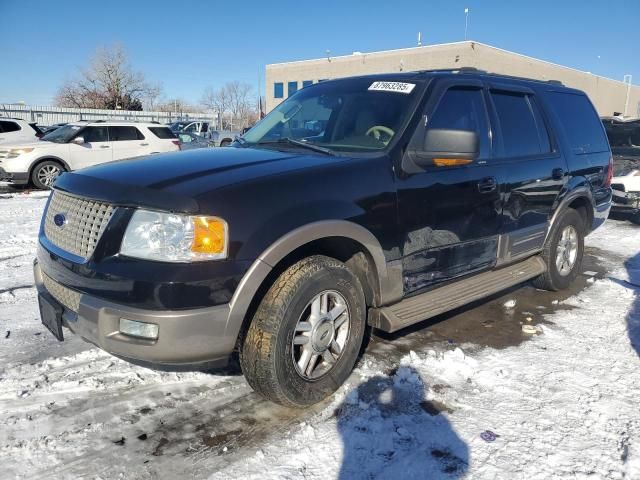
pixel 60 220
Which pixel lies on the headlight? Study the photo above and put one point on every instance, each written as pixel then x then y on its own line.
pixel 16 152
pixel 170 237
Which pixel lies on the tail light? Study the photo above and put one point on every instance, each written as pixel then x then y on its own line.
pixel 178 143
pixel 607 181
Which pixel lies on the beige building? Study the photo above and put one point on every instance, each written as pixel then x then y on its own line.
pixel 608 95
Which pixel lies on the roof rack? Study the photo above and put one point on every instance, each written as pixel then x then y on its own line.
pixel 120 121
pixel 485 72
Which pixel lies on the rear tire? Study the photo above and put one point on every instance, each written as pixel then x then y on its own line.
pixel 563 252
pixel 271 355
pixel 635 218
pixel 45 173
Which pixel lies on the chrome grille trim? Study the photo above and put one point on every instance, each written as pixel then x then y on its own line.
pixel 86 220
pixel 66 296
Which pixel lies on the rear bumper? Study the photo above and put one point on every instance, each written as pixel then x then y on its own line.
pixel 187 339
pixel 625 202
pixel 15 177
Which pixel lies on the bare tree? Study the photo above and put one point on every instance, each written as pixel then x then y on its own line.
pixel 234 102
pixel 152 96
pixel 108 82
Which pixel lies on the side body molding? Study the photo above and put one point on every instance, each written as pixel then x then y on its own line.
pixel 389 276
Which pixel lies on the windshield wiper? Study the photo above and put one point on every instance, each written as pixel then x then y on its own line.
pixel 298 143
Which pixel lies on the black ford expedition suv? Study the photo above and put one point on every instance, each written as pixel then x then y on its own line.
pixel 374 201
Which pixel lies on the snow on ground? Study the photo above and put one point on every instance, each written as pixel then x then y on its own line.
pixel 561 405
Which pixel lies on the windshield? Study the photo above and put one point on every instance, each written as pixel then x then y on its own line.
pixel 62 134
pixel 177 126
pixel 359 114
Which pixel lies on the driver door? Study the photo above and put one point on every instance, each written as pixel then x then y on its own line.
pixel 450 215
pixel 96 148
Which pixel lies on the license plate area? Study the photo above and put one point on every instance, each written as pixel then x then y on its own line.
pixel 51 316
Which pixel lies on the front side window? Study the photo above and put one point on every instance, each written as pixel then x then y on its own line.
pixel 345 115
pixel 278 90
pixel 95 134
pixel 463 109
pixel 124 133
pixel 520 134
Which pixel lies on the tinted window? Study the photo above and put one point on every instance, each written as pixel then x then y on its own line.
pixel 162 132
pixel 9 127
pixel 580 122
pixel 463 109
pixel 119 134
pixel 278 90
pixel 292 87
pixel 519 121
pixel 95 134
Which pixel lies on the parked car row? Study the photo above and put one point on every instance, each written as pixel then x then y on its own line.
pixel 624 138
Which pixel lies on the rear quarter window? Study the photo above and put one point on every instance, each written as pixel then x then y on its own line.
pixel 580 122
pixel 162 132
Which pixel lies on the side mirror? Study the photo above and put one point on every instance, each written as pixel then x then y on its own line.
pixel 445 148
pixel 78 140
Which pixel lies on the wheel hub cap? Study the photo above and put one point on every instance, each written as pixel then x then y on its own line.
pixel 320 335
pixel 567 250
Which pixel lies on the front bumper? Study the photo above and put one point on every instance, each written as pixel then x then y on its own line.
pixel 187 340
pixel 15 177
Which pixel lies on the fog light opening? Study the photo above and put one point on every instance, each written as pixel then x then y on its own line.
pixel 138 329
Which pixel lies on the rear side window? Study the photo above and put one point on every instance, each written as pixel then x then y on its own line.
pixel 123 133
pixel 580 122
pixel 463 109
pixel 95 134
pixel 7 127
pixel 521 124
pixel 162 132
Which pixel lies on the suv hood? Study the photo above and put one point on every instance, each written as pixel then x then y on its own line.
pixel 174 181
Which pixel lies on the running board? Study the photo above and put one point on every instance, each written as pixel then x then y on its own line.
pixel 434 302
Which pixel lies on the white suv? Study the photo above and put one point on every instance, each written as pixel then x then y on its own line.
pixel 15 130
pixel 79 145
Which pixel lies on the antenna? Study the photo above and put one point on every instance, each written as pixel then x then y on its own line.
pixel 419 39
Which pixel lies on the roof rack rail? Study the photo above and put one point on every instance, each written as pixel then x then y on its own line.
pixel 486 72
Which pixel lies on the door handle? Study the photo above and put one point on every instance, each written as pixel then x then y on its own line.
pixel 487 185
pixel 104 146
pixel 557 173
pixel 144 144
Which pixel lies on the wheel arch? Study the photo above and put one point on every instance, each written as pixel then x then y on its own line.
pixel 341 239
pixel 581 199
pixel 45 158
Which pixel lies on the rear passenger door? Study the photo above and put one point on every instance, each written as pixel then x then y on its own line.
pixel 128 142
pixel 534 170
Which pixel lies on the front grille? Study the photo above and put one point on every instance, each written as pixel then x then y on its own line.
pixel 83 224
pixel 67 297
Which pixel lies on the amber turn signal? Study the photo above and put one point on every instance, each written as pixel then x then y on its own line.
pixel 209 235
pixel 450 162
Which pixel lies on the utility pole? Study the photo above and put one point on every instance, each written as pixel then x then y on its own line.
pixel 466 22
pixel 627 80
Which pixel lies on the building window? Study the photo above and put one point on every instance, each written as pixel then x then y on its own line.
pixel 292 87
pixel 278 90
pixel 306 83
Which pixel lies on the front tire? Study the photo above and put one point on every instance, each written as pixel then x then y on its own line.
pixel 563 252
pixel 45 173
pixel 306 334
